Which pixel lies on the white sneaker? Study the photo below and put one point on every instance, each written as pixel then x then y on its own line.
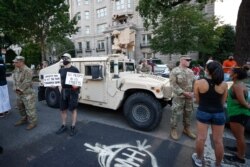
pixel 198 162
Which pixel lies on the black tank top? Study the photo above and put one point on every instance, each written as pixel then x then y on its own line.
pixel 210 101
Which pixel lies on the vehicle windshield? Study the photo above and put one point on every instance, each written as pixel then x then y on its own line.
pixel 130 66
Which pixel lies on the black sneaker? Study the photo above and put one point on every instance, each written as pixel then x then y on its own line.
pixel 62 129
pixel 72 131
pixel 229 148
pixel 234 158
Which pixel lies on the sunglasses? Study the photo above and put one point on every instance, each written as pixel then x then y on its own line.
pixel 188 59
pixel 65 58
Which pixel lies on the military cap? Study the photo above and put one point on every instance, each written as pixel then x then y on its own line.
pixel 185 57
pixel 18 58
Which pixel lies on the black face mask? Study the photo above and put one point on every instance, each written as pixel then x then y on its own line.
pixel 66 62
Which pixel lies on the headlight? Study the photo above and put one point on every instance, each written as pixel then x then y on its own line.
pixel 167 91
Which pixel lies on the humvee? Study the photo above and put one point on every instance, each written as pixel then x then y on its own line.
pixel 111 81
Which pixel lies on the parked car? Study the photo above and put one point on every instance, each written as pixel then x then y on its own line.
pixel 158 68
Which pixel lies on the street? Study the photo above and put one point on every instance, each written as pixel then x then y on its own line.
pixel 104 139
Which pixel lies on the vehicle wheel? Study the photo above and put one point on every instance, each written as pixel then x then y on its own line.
pixel 142 111
pixel 52 97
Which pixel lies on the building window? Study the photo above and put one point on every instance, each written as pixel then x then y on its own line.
pixel 86 2
pixel 100 45
pixel 87 46
pixel 79 49
pixel 78 16
pixel 79 46
pixel 87 30
pixel 129 4
pixel 86 15
pixel 100 28
pixel 80 30
pixel 146 39
pixel 119 4
pixel 147 55
pixel 78 2
pixel 98 1
pixel 101 12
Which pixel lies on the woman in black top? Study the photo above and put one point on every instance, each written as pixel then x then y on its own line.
pixel 210 94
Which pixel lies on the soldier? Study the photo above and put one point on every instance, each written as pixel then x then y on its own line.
pixel 22 78
pixel 69 96
pixel 144 67
pixel 181 79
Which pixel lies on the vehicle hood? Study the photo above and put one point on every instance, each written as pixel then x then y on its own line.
pixel 147 82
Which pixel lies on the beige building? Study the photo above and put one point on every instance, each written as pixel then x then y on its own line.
pixel 98 19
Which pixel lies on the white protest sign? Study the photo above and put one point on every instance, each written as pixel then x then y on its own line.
pixel 75 79
pixel 51 80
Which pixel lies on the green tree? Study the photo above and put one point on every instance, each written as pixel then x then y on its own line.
pixel 179 26
pixel 31 52
pixel 57 48
pixel 226 45
pixel 185 29
pixel 36 21
pixel 153 10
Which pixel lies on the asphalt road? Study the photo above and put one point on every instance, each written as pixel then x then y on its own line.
pixel 104 139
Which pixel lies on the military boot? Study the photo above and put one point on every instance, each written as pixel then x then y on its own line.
pixel 21 122
pixel 189 133
pixel 31 126
pixel 174 134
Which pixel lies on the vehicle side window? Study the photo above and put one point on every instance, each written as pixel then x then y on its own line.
pixel 93 71
pixel 120 67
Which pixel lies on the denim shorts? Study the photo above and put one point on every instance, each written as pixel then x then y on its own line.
pixel 211 118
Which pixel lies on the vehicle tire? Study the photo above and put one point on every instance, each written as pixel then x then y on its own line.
pixel 142 111
pixel 52 97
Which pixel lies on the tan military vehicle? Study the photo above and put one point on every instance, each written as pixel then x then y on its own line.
pixel 112 82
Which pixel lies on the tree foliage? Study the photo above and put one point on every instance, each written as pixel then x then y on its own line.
pixel 226 45
pixel 36 21
pixel 178 26
pixel 185 29
pixel 152 11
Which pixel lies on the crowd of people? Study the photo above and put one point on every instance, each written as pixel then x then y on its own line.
pixel 209 92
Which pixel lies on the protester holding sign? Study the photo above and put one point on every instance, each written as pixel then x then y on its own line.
pixel 69 95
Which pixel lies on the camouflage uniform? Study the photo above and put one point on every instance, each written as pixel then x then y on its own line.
pixel 181 79
pixel 145 68
pixel 22 78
